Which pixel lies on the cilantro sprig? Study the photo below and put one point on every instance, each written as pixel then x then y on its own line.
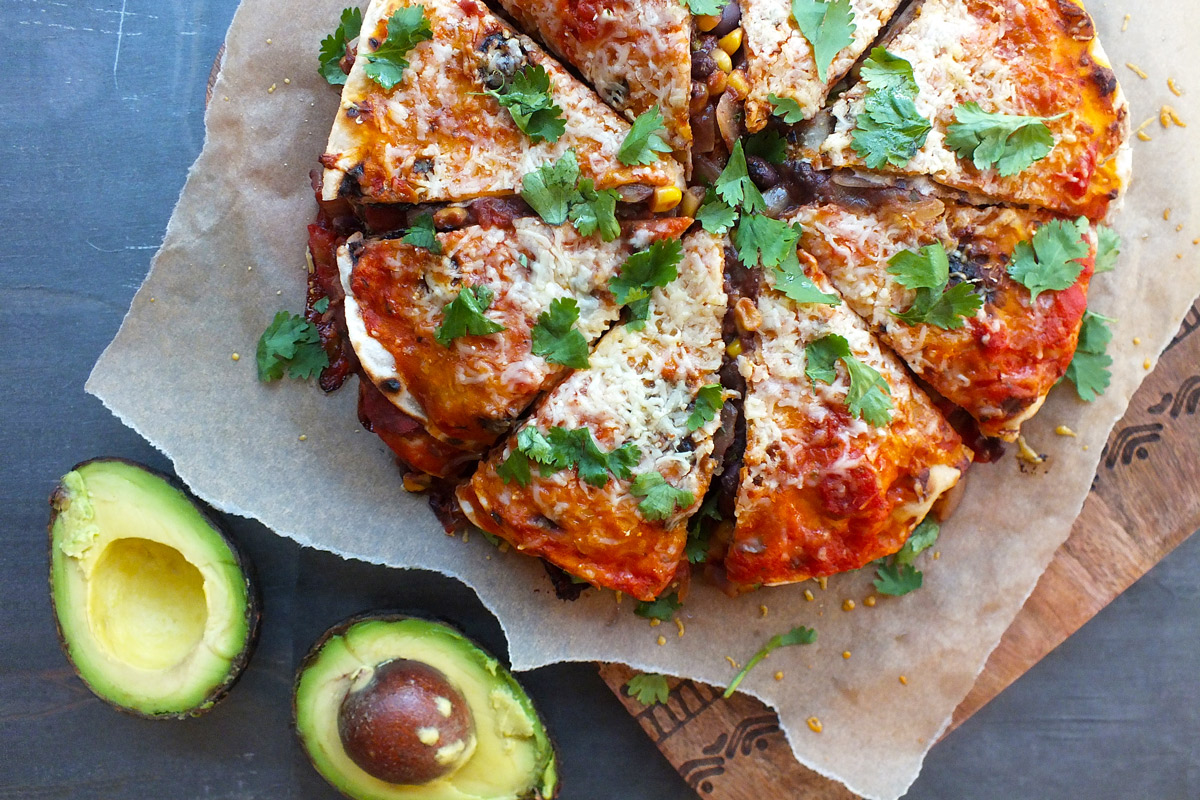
pixel 889 129
pixel 869 396
pixel 648 688
pixel 796 636
pixel 786 108
pixel 641 273
pixel 696 548
pixel 290 344
pixel 897 577
pixel 767 145
pixel 423 234
pixel 828 26
pixel 335 45
pixel 659 498
pixel 661 609
pixel 1010 142
pixel 927 271
pixel 406 28
pixel 556 192
pixel 1108 247
pixel 1089 367
pixel 530 102
pixel 704 8
pixel 463 316
pixel 772 243
pixel 555 337
pixel 1051 261
pixel 644 141
pixel 734 186
pixel 566 448
pixel 715 215
pixel 709 400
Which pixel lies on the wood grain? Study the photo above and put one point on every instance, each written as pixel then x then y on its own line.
pixel 1142 505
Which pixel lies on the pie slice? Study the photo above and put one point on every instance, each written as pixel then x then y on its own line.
pixel 1031 58
pixel 410 314
pixel 637 55
pixel 437 137
pixel 781 61
pixel 838 469
pixel 997 362
pixel 640 409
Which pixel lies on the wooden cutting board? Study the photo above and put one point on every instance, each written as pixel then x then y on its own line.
pixel 1142 505
pixel 735 750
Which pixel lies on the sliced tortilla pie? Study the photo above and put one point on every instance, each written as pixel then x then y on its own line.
pixel 635 400
pixel 467 391
pixel 436 137
pixel 780 60
pixel 636 55
pixel 1034 58
pixel 1004 359
pixel 823 491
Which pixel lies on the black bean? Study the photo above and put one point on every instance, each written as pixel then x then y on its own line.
pixel 702 65
pixel 731 16
pixel 762 172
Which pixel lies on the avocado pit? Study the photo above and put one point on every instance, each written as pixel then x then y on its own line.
pixel 404 723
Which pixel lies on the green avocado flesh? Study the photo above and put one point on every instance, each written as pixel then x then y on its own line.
pixel 153 606
pixel 512 759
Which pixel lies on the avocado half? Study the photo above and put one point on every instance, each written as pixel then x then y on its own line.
pixel 154 603
pixel 379 702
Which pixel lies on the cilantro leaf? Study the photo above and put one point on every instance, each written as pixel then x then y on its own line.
pixel 1051 262
pixel 406 28
pixel 786 108
pixel 762 239
pixel 642 272
pixel 321 306
pixel 920 540
pixel 889 130
pixel 704 8
pixel 709 400
pixel 515 469
pixel 828 26
pixel 734 185
pixel 928 272
pixel 595 209
pixel 333 46
pixel 531 105
pixel 715 216
pixel 463 316
pixel 791 280
pixel 643 143
pixel 422 234
pixel 648 688
pixel 869 394
pixel 1010 142
pixel 550 188
pixel 696 548
pixel 767 145
pixel 290 343
pixel 796 636
pixel 661 609
pixel 661 499
pixel 1088 369
pixel 1108 248
pixel 566 448
pixel 556 340
pixel 886 72
pixel 897 580
pixel 927 269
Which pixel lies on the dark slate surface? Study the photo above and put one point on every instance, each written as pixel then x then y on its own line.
pixel 100 117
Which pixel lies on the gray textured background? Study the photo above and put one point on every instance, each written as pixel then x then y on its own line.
pixel 100 117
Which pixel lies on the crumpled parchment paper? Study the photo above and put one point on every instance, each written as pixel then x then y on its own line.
pixel 234 254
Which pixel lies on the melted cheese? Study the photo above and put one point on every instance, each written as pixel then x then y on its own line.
pixel 436 138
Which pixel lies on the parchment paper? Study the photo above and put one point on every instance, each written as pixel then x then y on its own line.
pixel 234 254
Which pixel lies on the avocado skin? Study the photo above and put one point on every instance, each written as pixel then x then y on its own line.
pixel 253 611
pixel 535 792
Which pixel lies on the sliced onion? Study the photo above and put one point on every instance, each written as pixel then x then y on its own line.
pixel 727 119
pixel 777 199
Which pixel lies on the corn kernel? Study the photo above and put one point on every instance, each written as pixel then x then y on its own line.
pixel 734 348
pixel 665 198
pixel 706 22
pixel 848 605
pixel 717 82
pixel 738 84
pixel 724 62
pixel 779 676
pixel 814 724
pixel 661 641
pixel 808 595
pixel 870 601
pixel 904 680
pixel 731 42
pixel 846 654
